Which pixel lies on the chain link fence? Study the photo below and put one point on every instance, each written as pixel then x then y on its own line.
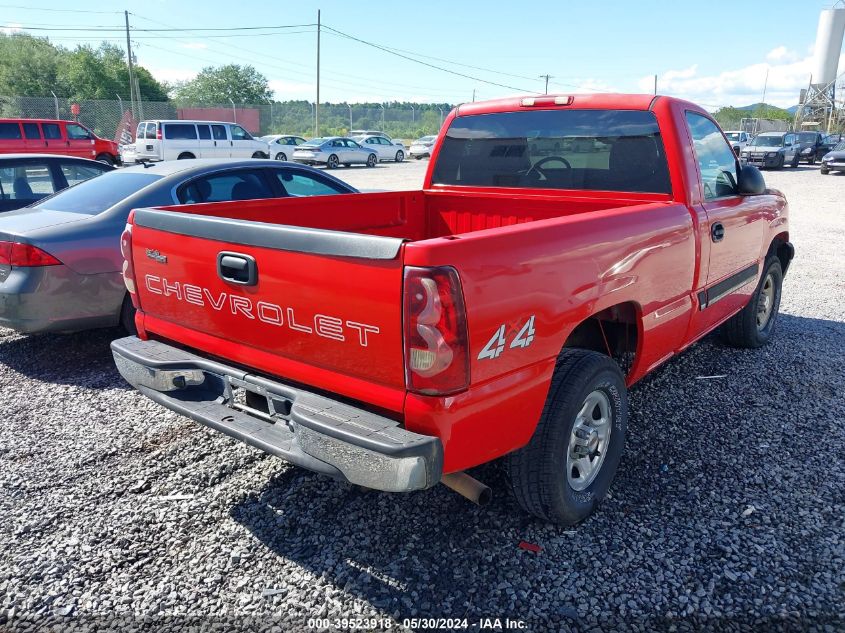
pixel 104 117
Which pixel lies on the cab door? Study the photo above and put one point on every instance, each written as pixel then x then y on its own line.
pixel 735 227
pixel 79 141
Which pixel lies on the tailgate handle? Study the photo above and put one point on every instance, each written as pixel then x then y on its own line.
pixel 237 268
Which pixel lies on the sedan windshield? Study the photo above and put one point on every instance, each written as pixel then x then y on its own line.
pixel 807 137
pixel 98 194
pixel 767 141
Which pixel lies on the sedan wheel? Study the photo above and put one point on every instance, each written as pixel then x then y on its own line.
pixel 371 160
pixel 281 156
pixel 400 156
pixel 332 162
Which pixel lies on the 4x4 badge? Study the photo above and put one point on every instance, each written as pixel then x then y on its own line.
pixel 161 259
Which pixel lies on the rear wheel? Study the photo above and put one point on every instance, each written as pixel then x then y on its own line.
pixel 371 160
pixel 400 156
pixel 795 161
pixel 281 156
pixel 105 158
pixel 563 473
pixel 259 155
pixel 127 316
pixel 825 171
pixel 332 162
pixel 185 156
pixel 754 325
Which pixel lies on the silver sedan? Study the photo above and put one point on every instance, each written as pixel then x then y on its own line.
pixel 60 262
pixel 333 152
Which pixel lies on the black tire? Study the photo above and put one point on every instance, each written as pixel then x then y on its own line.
pixel 824 171
pixel 400 156
pixel 127 316
pixel 795 162
pixel 418 157
pixel 813 160
pixel 744 329
pixel 105 158
pixel 372 159
pixel 332 161
pixel 259 155
pixel 538 471
pixel 185 156
pixel 281 156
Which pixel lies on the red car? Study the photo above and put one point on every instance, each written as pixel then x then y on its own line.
pixel 54 136
pixel 562 248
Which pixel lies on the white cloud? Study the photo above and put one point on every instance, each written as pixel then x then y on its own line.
pixel 10 28
pixel 787 75
pixel 172 74
pixel 197 46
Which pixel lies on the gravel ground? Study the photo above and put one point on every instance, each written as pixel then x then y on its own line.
pixel 727 512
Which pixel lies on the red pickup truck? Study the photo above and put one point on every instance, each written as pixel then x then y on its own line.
pixel 561 248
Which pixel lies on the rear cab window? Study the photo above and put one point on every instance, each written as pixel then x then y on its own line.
pixel 613 150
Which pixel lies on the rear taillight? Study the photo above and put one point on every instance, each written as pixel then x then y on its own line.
pixel 25 255
pixel 128 268
pixel 158 131
pixel 436 357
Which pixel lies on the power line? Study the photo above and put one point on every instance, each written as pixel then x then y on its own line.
pixel 423 63
pixel 110 29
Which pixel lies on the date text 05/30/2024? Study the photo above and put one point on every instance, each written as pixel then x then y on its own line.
pixel 480 624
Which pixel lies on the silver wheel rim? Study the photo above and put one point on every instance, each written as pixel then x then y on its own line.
pixel 281 156
pixel 589 440
pixel 766 302
pixel 400 157
pixel 333 161
pixel 371 160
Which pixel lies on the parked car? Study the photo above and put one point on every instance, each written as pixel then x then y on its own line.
pixel 384 147
pixel 27 178
pixel 834 160
pixel 60 262
pixel 177 140
pixel 396 339
pixel 738 140
pixel 334 151
pixel 810 146
pixel 281 146
pixel 772 150
pixel 422 147
pixel 55 136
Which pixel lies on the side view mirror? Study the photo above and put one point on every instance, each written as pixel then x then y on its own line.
pixel 751 182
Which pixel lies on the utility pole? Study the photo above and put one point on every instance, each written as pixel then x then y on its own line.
pixel 655 85
pixel 317 108
pixel 473 95
pixel 546 77
pixel 349 105
pixel 129 59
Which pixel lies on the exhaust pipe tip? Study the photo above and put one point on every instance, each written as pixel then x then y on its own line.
pixel 468 487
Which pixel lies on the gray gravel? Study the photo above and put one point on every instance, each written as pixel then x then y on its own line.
pixel 727 512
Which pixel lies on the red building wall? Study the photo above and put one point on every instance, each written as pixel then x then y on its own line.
pixel 247 118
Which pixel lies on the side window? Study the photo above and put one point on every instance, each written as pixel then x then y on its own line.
pixel 240 134
pixel 337 143
pixel 142 128
pixel 152 128
pixel 219 132
pixel 239 185
pixel 716 159
pixel 204 132
pixel 788 139
pixel 77 132
pixel 352 144
pixel 10 130
pixel 30 130
pixel 75 173
pixel 30 182
pixel 180 131
pixel 51 131
pixel 299 184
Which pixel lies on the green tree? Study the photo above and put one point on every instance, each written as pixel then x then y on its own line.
pixel 28 66
pixel 215 86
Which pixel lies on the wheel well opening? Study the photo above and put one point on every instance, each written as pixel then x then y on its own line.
pixel 780 247
pixel 613 331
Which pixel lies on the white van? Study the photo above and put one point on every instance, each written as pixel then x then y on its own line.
pixel 173 140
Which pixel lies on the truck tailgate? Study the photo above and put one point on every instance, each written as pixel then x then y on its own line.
pixel 307 298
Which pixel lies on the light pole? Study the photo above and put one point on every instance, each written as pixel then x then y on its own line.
pixel 413 115
pixel 441 116
pixel 546 77
pixel 234 113
pixel 381 105
pixel 121 103
pixel 56 102
pixel 350 116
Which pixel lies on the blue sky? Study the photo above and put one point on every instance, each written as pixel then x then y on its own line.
pixel 714 53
